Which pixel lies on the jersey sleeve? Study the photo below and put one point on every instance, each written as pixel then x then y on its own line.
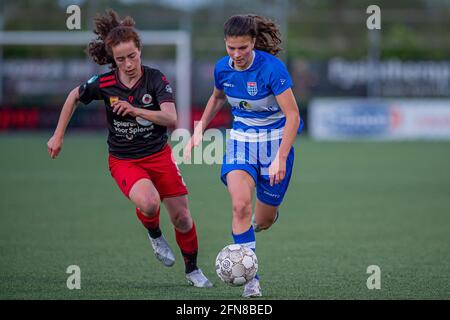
pixel 161 86
pixel 90 90
pixel 217 82
pixel 279 78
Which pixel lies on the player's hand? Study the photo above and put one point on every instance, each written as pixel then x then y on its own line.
pixel 194 141
pixel 277 170
pixel 54 146
pixel 123 108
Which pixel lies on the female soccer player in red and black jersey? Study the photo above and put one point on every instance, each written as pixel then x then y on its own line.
pixel 139 107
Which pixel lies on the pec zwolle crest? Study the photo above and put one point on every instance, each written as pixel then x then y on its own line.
pixel 252 88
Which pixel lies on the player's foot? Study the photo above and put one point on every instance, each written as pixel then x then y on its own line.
pixel 162 250
pixel 252 289
pixel 256 227
pixel 197 279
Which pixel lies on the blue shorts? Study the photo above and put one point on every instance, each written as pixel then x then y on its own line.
pixel 255 158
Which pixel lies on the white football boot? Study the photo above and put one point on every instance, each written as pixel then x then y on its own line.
pixel 252 289
pixel 162 251
pixel 197 279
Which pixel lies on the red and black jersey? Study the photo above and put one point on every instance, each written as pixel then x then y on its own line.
pixel 130 137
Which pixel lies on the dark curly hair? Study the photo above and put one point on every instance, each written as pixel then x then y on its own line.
pixel 111 31
pixel 265 31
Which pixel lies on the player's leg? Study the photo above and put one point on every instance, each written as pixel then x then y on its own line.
pixel 168 181
pixel 240 186
pixel 146 198
pixel 265 215
pixel 135 184
pixel 186 237
pixel 239 174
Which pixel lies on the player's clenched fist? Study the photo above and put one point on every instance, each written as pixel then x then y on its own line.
pixel 54 146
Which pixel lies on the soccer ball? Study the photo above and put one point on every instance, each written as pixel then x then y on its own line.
pixel 236 264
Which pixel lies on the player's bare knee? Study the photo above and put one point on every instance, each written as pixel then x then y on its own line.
pixel 242 209
pixel 182 220
pixel 149 206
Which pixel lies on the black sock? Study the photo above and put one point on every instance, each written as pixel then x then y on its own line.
pixel 154 233
pixel 190 261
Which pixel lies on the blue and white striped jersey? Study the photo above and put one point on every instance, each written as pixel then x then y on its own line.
pixel 251 94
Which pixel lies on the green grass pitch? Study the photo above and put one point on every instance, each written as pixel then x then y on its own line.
pixel 349 205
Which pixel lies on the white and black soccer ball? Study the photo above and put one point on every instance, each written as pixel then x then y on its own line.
pixel 236 264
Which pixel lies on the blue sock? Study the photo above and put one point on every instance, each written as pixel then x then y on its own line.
pixel 247 239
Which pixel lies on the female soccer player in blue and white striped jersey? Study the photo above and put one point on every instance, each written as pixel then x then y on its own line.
pixel 266 121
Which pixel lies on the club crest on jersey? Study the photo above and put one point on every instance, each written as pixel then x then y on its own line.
pixel 252 88
pixel 113 99
pixel 146 99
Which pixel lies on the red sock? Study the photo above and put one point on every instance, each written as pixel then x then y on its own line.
pixel 189 246
pixel 187 241
pixel 149 223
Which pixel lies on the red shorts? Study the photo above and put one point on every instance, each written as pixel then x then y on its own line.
pixel 160 168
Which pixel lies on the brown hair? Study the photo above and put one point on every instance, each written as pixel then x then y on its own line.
pixel 111 31
pixel 265 31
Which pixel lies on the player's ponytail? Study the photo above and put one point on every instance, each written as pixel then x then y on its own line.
pixel 111 31
pixel 265 31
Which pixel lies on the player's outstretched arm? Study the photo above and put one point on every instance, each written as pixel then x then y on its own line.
pixel 215 103
pixel 55 143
